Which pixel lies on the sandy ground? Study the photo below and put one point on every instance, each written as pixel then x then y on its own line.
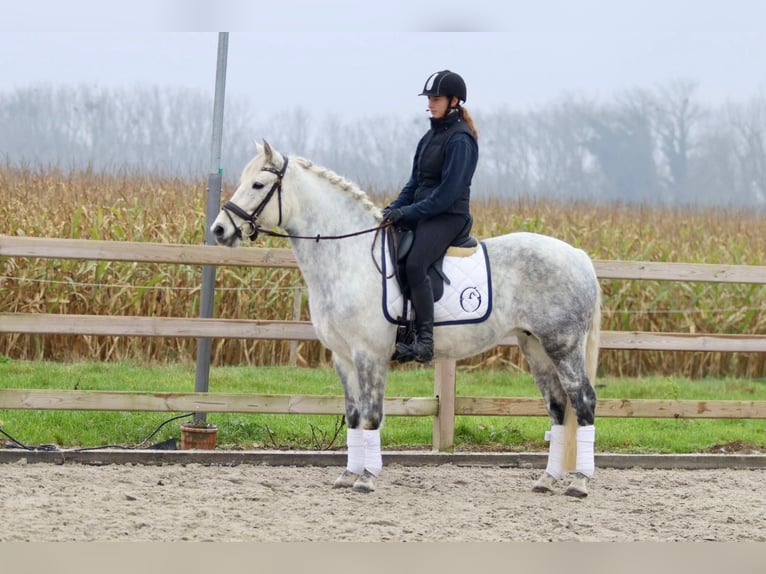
pixel 73 502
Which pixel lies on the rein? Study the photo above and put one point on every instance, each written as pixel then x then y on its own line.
pixel 318 237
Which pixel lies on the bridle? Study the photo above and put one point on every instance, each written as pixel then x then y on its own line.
pixel 250 227
pixel 249 219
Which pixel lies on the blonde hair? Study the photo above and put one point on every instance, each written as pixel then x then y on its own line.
pixel 468 119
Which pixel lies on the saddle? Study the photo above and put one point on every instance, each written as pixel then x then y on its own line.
pixel 400 241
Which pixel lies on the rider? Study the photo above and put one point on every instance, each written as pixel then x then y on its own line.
pixel 435 202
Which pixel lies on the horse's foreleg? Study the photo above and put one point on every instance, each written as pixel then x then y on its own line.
pixel 354 433
pixel 363 382
pixel 372 381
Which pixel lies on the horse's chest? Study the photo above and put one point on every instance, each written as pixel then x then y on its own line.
pixel 333 334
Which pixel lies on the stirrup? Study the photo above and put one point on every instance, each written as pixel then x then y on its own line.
pixel 402 355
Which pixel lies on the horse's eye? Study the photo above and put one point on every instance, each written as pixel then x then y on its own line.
pixel 257 185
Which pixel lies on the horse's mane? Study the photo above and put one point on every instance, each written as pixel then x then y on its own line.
pixel 338 181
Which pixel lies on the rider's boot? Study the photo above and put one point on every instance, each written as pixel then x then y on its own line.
pixel 422 350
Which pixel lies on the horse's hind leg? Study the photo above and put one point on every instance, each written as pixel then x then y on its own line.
pixel 575 382
pixel 547 381
pixel 560 376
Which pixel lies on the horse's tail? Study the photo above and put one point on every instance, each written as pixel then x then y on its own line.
pixel 594 341
pixel 591 366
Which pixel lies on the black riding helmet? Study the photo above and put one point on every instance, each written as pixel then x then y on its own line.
pixel 445 83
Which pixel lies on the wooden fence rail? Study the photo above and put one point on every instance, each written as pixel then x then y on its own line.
pixel 443 407
pixel 48 248
pixel 71 400
pixel 183 327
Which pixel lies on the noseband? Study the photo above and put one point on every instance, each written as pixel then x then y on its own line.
pixel 249 227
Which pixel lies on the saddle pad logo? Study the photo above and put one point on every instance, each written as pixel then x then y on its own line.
pixel 470 299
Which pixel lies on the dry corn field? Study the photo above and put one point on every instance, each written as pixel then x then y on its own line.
pixel 131 207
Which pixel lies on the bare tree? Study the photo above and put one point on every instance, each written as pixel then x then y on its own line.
pixel 564 163
pixel 642 146
pixel 505 159
pixel 748 124
pixel 677 118
pixel 620 138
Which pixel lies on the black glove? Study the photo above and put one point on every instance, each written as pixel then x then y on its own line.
pixel 393 215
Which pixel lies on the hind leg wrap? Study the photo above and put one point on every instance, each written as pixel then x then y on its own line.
pixel 586 437
pixel 556 452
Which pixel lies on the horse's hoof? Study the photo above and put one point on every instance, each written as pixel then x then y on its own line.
pixel 346 480
pixel 365 482
pixel 579 486
pixel 544 483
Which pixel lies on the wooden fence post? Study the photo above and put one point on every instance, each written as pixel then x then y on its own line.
pixel 444 421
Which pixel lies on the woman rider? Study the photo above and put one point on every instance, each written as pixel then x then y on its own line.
pixel 435 202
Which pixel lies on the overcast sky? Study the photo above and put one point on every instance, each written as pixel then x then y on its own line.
pixel 358 58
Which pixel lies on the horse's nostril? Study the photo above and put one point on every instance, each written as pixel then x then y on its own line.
pixel 218 230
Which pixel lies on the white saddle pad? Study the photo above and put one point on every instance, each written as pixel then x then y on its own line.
pixel 467 298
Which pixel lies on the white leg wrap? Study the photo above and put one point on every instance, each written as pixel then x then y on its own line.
pixel 355 443
pixel 586 437
pixel 556 452
pixel 373 459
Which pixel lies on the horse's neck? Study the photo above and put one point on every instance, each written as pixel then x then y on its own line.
pixel 323 209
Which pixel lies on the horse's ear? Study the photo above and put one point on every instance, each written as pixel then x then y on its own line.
pixel 268 151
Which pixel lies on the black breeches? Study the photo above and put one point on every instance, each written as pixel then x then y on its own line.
pixel 432 238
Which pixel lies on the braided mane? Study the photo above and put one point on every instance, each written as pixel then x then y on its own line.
pixel 338 181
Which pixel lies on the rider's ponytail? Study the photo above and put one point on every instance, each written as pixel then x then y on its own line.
pixel 466 117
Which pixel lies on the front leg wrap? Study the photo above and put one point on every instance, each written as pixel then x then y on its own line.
pixel 364 451
pixel 356 448
pixel 373 459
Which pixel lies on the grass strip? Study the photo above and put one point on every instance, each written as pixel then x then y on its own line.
pixel 314 432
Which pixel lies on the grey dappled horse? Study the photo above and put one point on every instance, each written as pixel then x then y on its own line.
pixel 545 292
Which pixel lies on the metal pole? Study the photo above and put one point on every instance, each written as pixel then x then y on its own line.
pixel 215 181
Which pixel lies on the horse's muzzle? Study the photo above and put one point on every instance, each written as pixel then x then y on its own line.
pixel 218 231
pixel 221 238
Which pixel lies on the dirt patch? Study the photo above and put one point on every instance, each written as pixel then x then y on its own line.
pixel 73 502
pixel 737 447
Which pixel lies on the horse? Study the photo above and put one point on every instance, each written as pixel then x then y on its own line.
pixel 545 292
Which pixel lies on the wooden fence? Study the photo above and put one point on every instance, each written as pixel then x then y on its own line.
pixel 443 406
